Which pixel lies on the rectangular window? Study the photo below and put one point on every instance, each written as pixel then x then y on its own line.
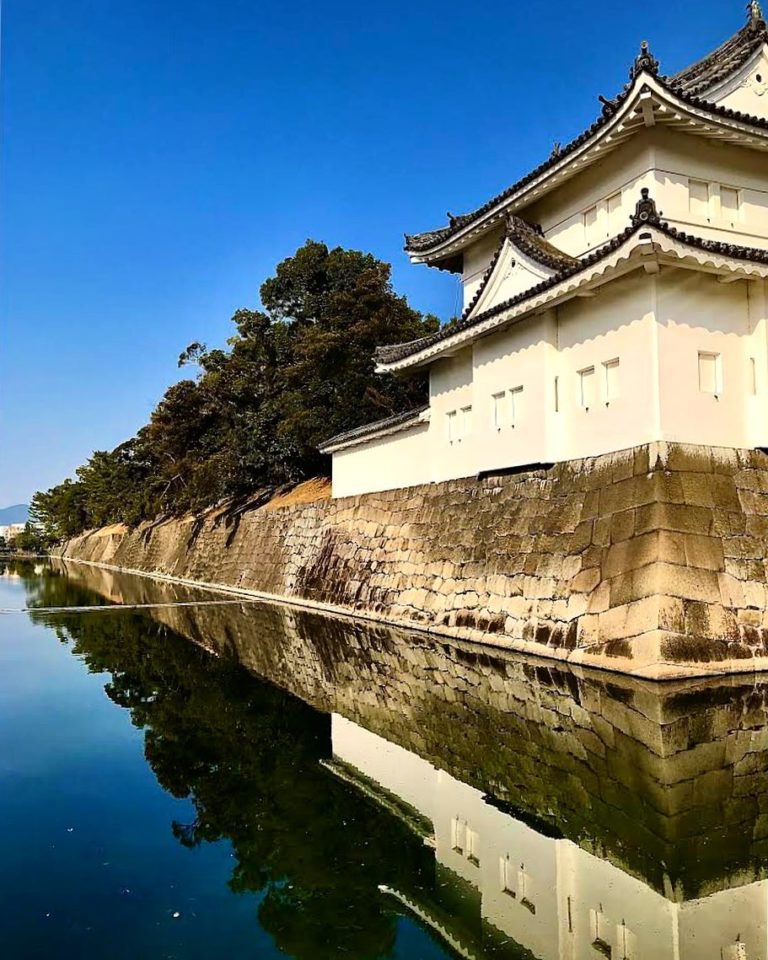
pixel 497 410
pixel 524 890
pixel 753 374
pixel 698 198
pixel 557 394
pixel 473 847
pixel 627 942
pixel 735 951
pixel 507 876
pixel 613 206
pixel 515 405
pixel 587 387
pixel 457 835
pixel 599 929
pixel 465 424
pixel 590 225
pixel 451 426
pixel 611 376
pixel 710 373
pixel 730 204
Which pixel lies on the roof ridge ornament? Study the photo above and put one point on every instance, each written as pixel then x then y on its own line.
pixel 754 12
pixel 645 210
pixel 645 61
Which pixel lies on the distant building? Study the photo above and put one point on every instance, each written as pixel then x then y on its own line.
pixel 592 320
pixel 9 531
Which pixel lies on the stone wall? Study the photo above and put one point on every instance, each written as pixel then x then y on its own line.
pixel 650 561
pixel 668 781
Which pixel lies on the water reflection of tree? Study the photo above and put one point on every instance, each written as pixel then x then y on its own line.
pixel 45 586
pixel 247 755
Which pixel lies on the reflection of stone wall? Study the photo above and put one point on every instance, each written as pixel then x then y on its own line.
pixel 648 561
pixel 669 781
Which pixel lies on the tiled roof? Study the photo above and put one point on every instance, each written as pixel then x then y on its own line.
pixel 530 241
pixel 684 85
pixel 378 426
pixel 726 60
pixel 396 352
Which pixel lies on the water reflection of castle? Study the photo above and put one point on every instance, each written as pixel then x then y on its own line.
pixel 536 888
pixel 629 819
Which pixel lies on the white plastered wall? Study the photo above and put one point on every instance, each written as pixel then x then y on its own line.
pixel 654 325
pixel 519 359
pixel 384 463
pixel 616 324
pixel 680 158
pixel 697 314
pixel 566 886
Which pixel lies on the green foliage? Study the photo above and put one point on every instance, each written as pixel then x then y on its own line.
pixel 30 540
pixel 294 374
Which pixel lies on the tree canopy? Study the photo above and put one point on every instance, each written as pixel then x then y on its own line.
pixel 293 374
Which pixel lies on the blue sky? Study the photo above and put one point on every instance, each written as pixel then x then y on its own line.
pixel 158 159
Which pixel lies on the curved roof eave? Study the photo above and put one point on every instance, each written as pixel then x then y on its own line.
pixel 595 269
pixel 444 242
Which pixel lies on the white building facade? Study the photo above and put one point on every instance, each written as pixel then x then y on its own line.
pixel 545 893
pixel 615 296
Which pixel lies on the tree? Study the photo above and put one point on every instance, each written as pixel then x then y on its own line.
pixel 293 374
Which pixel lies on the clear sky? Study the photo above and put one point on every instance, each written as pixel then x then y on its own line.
pixel 159 158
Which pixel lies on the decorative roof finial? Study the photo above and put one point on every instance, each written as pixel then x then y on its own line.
pixel 645 210
pixel 646 61
pixel 754 11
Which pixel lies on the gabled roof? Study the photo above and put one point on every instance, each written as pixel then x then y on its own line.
pixel 529 240
pixel 728 58
pixel 683 89
pixel 393 424
pixel 566 280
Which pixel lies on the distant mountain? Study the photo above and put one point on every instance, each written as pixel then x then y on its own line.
pixel 18 513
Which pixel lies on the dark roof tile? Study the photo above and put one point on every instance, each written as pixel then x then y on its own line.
pixel 686 85
pixel 368 429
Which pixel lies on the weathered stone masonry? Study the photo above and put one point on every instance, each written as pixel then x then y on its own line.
pixel 650 561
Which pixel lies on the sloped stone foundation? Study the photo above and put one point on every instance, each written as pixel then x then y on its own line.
pixel 651 561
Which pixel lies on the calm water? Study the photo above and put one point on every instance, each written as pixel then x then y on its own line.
pixel 183 775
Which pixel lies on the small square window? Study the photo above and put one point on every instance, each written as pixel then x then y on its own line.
pixel 611 377
pixel 497 409
pixel 587 387
pixel 515 405
pixel 465 425
pixel 507 877
pixel 458 835
pixel 590 225
pixel 710 373
pixel 698 198
pixel 730 204
pixel 451 426
pixel 473 847
pixel 613 206
pixel 735 951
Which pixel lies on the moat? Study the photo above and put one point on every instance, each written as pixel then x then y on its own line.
pixel 188 775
